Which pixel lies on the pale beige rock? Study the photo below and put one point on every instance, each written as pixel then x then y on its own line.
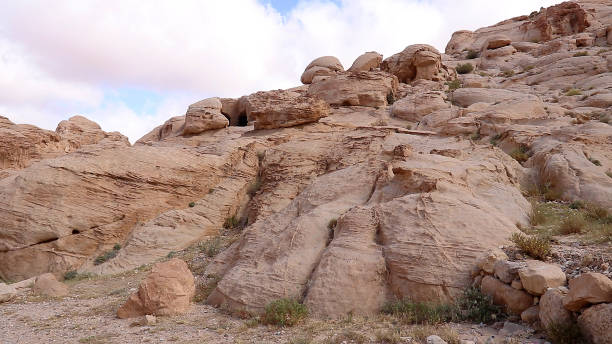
pixel 280 109
pixel 420 61
pixel 325 65
pixel 23 144
pixel 167 290
pixel 595 323
pixel 516 284
pixel 497 41
pixel 7 292
pixel 515 301
pixel 507 270
pixel 204 115
pixel 415 107
pixel 48 285
pixel 538 276
pixel 531 314
pixel 366 62
pixel 356 89
pixel 468 96
pixel 588 288
pixel 488 260
pixel 552 310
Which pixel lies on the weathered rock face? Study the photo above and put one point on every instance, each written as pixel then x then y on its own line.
pixel 415 107
pixel 595 323
pixel 167 290
pixel 356 89
pixel 281 109
pixel 204 115
pixel 322 66
pixel 48 285
pixel 94 197
pixel 23 144
pixel 366 62
pixel 420 61
pixel 588 288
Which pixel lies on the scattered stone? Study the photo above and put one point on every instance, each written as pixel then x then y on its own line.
pixel 588 288
pixel 516 301
pixel 531 314
pixel 595 323
pixel 552 310
pixel 507 270
pixel 167 290
pixel 487 261
pixel 48 285
pixel 150 320
pixel 433 339
pixel 538 276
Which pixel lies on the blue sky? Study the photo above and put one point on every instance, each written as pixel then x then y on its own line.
pixel 130 65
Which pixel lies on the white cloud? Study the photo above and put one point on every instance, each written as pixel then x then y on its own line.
pixel 58 58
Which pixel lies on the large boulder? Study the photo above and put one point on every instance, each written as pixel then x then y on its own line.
pixel 281 109
pixel 356 89
pixel 167 290
pixel 419 61
pixel 588 288
pixel 496 42
pixel 48 285
pixel 538 276
pixel 204 115
pixel 416 106
pixel 322 66
pixel 506 270
pixel 552 310
pixel 595 323
pixel 366 62
pixel 515 301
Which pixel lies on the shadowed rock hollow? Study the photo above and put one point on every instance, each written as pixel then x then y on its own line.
pixel 384 181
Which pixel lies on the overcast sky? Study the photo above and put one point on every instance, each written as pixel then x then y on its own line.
pixel 129 65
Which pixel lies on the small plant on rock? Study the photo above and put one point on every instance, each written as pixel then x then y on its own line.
pixel 573 92
pixel 478 307
pixel 191 204
pixel 254 187
pixel 595 162
pixel 412 312
pixel 508 73
pixel 231 222
pixel 564 333
pixel 453 85
pixel 390 98
pixel 574 223
pixel 108 255
pixel 284 312
pixel 520 154
pixel 211 247
pixel 535 246
pixel 581 53
pixel 472 54
pixel 464 68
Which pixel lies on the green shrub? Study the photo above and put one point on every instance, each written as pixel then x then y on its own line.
pixel 477 307
pixel 535 246
pixel 464 68
pixel 537 215
pixel 388 337
pixel 573 92
pixel 421 312
pixel 574 223
pixel 472 54
pixel 192 204
pixel 475 136
pixel 528 68
pixel 581 53
pixel 211 247
pixel 254 187
pixel 520 154
pixel 595 162
pixel 73 275
pixel 564 333
pixel 576 205
pixel 284 312
pixel 508 73
pixel 390 98
pixel 70 275
pixel 108 255
pixel 598 213
pixel 231 222
pixel 453 85
pixel 495 139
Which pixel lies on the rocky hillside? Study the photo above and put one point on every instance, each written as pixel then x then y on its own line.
pixel 384 181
